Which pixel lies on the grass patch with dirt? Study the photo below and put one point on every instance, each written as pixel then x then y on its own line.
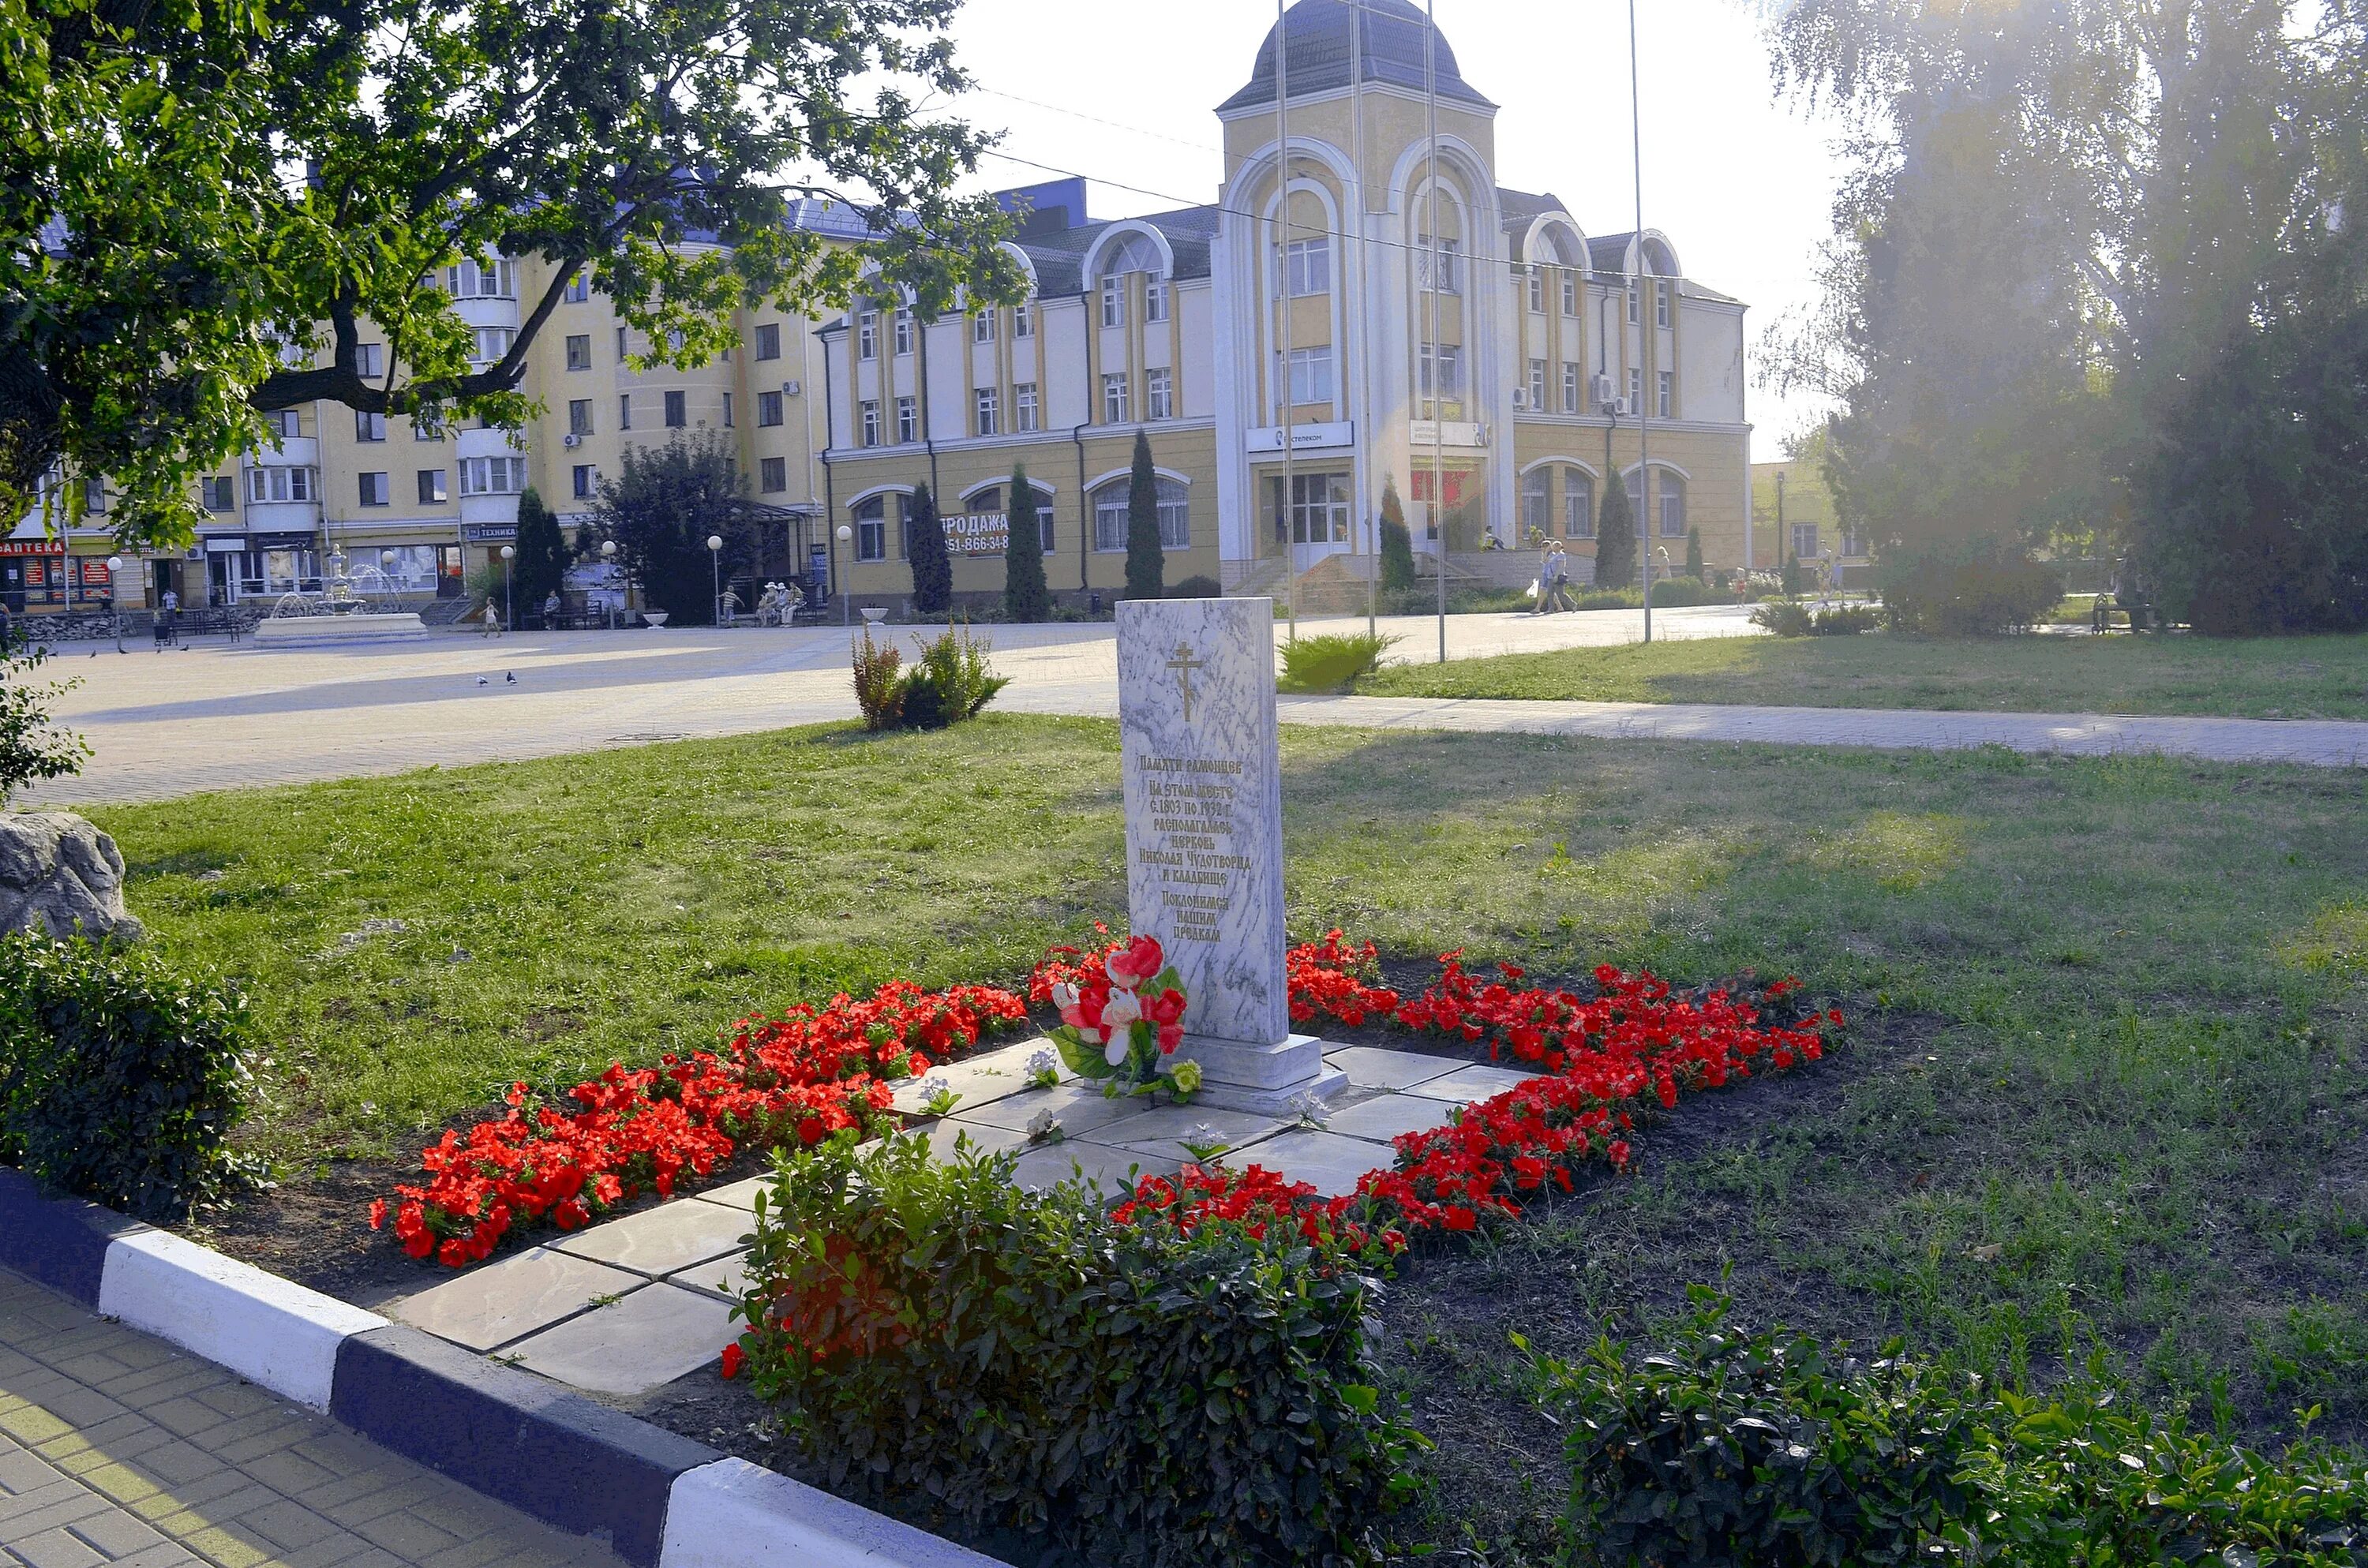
pixel 2104 1094
pixel 2297 677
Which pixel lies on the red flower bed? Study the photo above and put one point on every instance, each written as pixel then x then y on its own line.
pixel 800 1076
pixel 1256 1199
pixel 1597 1058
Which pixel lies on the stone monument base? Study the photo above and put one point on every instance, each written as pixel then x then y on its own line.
pixel 1265 1080
pixel 340 630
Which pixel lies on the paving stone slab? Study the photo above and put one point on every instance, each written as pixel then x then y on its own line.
pixel 1108 1168
pixel 1371 1067
pixel 943 1135
pixel 512 1299
pixel 661 1240
pixel 726 1277
pixel 1159 1131
pixel 740 1195
pixel 1466 1084
pixel 981 1079
pixel 1081 1108
pixel 1326 1160
pixel 650 1337
pixel 1384 1116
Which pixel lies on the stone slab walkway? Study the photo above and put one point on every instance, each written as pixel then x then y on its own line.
pixel 115 1447
pixel 624 1307
pixel 2316 742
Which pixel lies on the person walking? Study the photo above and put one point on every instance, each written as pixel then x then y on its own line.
pixel 492 621
pixel 1558 585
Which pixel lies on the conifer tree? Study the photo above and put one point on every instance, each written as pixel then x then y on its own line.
pixel 1025 597
pixel 924 543
pixel 1694 567
pixel 1615 538
pixel 1147 561
pixel 544 554
pixel 1397 544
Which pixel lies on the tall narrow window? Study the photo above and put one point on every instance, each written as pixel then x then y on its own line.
pixel 982 326
pixel 579 350
pixel 1159 394
pixel 872 529
pixel 870 423
pixel 1673 504
pixel 1537 502
pixel 1634 304
pixel 768 408
pixel 624 410
pixel 1115 302
pixel 676 414
pixel 985 417
pixel 1023 320
pixel 867 334
pixel 1024 414
pixel 769 341
pixel 579 417
pixel 621 346
pixel 1155 298
pixel 1115 399
pixel 1570 291
pixel 1577 505
pixel 1537 386
pixel 904 331
pixel 1668 394
pixel 727 411
pixel 908 420
pixel 773 474
pixel 1570 386
pixel 1538 290
pixel 1635 388
pixel 1660 304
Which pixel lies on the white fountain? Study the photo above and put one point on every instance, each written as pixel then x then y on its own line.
pixel 339 617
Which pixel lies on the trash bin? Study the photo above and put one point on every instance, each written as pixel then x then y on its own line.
pixel 164 628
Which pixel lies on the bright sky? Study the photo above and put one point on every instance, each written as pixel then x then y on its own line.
pixel 1742 186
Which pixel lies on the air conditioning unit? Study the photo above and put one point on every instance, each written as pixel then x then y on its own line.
pixel 793 389
pixel 571 439
pixel 1604 389
pixel 1520 397
pixel 1620 407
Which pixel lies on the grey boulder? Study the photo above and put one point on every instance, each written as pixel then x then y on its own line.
pixel 56 870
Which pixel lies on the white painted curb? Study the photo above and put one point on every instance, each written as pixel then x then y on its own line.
pixel 267 1330
pixel 733 1513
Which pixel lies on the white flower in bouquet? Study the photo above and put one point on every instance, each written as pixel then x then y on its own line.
pixel 1123 1008
pixel 1116 1051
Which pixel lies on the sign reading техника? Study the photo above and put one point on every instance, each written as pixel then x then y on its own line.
pixel 1202 763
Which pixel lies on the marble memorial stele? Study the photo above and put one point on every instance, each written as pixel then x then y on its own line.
pixel 1203 765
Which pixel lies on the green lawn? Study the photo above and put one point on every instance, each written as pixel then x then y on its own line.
pixel 2107 1093
pixel 2303 677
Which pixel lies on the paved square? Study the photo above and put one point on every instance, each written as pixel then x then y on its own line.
pixel 649 1338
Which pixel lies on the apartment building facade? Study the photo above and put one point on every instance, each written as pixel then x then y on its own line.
pixel 1367 312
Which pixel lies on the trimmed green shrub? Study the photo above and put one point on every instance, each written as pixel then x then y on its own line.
pixel 1677 593
pixel 1771 1449
pixel 1845 620
pixel 1139 1393
pixel 1977 587
pixel 119 1077
pixel 1197 587
pixel 1786 617
pixel 1615 536
pixel 1332 662
pixel 949 682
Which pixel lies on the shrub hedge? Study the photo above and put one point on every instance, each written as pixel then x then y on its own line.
pixel 1333 661
pixel 119 1077
pixel 1140 1393
pixel 1773 1450
pixel 1976 588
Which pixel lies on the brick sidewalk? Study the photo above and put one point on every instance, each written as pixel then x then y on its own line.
pixel 115 1447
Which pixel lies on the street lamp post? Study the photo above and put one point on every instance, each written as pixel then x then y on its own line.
pixel 716 577
pixel 608 559
pixel 846 615
pixel 115 596
pixel 509 607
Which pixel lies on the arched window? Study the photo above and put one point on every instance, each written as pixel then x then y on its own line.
pixel 1577 503
pixel 1669 490
pixel 1175 514
pixel 1537 502
pixel 872 528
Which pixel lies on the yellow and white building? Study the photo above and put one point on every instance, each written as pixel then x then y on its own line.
pixel 1283 347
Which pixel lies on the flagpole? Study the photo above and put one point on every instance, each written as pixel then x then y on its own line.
pixel 1438 365
pixel 1282 288
pixel 1648 326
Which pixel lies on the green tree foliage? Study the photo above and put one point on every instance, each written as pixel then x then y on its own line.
pixel 1147 561
pixel 925 544
pixel 2090 279
pixel 158 253
pixel 1615 535
pixel 1694 565
pixel 660 512
pixel 1397 544
pixel 544 554
pixel 1025 597
pixel 33 746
